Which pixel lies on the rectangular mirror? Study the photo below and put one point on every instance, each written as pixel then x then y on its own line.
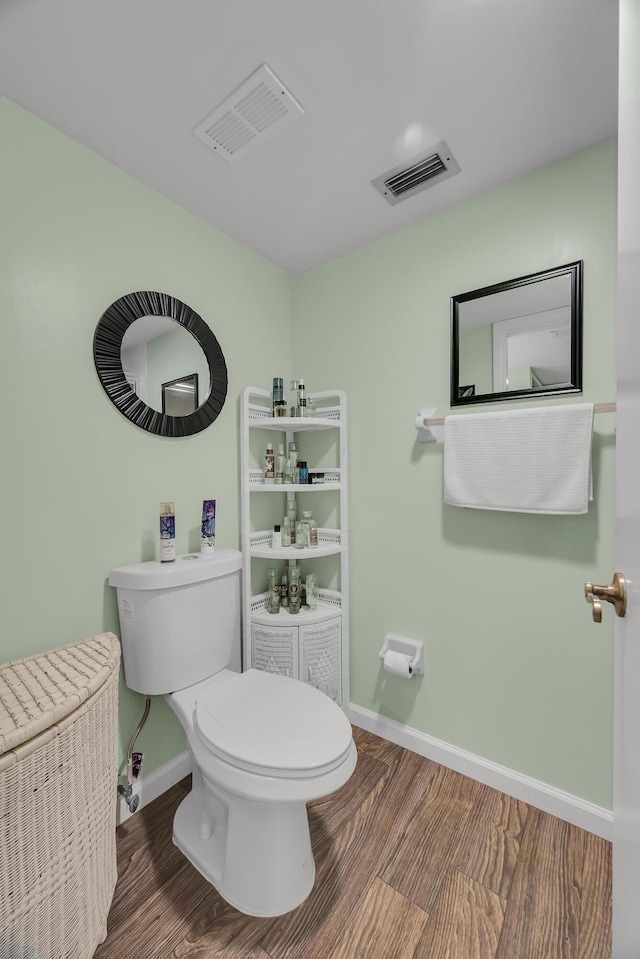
pixel 518 338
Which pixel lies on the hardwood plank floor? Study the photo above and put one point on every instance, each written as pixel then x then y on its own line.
pixel 413 860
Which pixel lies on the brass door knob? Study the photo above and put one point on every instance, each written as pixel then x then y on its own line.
pixel 615 594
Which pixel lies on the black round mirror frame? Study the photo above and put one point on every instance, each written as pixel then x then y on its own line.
pixel 107 342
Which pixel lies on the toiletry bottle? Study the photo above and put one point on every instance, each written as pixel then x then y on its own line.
pixel 311 406
pixel 293 385
pixel 167 533
pixel 302 534
pixel 302 399
pixel 292 514
pixel 292 453
pixel 312 591
pixel 280 464
pixel 284 589
pixel 304 473
pixel 288 470
pixel 269 465
pixel 313 530
pixel 273 586
pixel 276 537
pixel 286 532
pixel 294 589
pixel 278 393
pixel 208 526
pixel 308 519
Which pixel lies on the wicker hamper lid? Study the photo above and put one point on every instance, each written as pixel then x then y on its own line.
pixel 41 690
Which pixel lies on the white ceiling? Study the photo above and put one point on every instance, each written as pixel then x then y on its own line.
pixel 509 84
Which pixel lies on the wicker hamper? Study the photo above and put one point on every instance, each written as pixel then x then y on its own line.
pixel 58 776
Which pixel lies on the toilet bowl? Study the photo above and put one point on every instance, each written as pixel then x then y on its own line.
pixel 262 745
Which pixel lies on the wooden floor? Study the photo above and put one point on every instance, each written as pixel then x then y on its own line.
pixel 413 861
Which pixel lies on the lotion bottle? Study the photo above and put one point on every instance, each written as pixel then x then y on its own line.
pixel 280 465
pixel 269 465
pixel 167 533
pixel 208 527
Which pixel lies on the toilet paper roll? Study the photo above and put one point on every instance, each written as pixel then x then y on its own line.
pixel 398 664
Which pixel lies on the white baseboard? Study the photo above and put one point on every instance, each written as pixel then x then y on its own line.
pixel 150 787
pixel 579 812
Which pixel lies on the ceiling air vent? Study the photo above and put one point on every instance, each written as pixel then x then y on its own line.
pixel 425 170
pixel 260 107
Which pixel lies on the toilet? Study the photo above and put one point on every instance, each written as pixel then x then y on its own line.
pixel 262 745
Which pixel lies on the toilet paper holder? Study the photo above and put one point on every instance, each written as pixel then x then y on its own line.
pixel 408 647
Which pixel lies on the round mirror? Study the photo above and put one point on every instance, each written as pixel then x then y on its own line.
pixel 160 364
pixel 165 366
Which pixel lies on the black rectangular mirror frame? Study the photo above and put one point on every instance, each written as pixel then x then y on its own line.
pixel 574 270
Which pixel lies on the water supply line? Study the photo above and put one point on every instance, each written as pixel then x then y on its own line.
pixel 134 764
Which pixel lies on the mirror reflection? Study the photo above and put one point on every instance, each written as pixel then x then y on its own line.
pixel 165 365
pixel 518 338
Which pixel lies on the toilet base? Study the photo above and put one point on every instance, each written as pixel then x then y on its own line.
pixel 258 855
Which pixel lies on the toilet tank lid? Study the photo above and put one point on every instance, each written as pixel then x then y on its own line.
pixel 192 568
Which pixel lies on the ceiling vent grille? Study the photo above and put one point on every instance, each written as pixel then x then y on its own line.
pixel 260 107
pixel 425 170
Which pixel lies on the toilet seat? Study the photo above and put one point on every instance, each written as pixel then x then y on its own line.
pixel 270 725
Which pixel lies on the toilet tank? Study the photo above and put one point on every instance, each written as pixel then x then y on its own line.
pixel 180 621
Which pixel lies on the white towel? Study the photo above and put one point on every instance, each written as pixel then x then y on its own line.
pixel 524 461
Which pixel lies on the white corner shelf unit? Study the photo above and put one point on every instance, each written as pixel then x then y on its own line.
pixel 312 645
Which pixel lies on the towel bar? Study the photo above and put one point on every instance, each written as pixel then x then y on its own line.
pixel 426 420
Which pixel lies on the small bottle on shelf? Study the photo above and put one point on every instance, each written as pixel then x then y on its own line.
pixel 293 386
pixel 273 587
pixel 286 532
pixel 278 393
pixel 312 591
pixel 269 465
pixel 284 589
pixel 276 537
pixel 280 465
pixel 302 399
pixel 293 456
pixel 302 534
pixel 294 589
pixel 303 478
pixel 288 470
pixel 313 530
pixel 293 515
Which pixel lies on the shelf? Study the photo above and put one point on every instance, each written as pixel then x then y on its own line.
pixel 329 544
pixel 305 617
pixel 293 424
pixel 291 552
pixel 332 480
pixel 292 487
pixel 306 642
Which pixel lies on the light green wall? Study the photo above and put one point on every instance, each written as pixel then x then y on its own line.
pixel 515 670
pixel 80 484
